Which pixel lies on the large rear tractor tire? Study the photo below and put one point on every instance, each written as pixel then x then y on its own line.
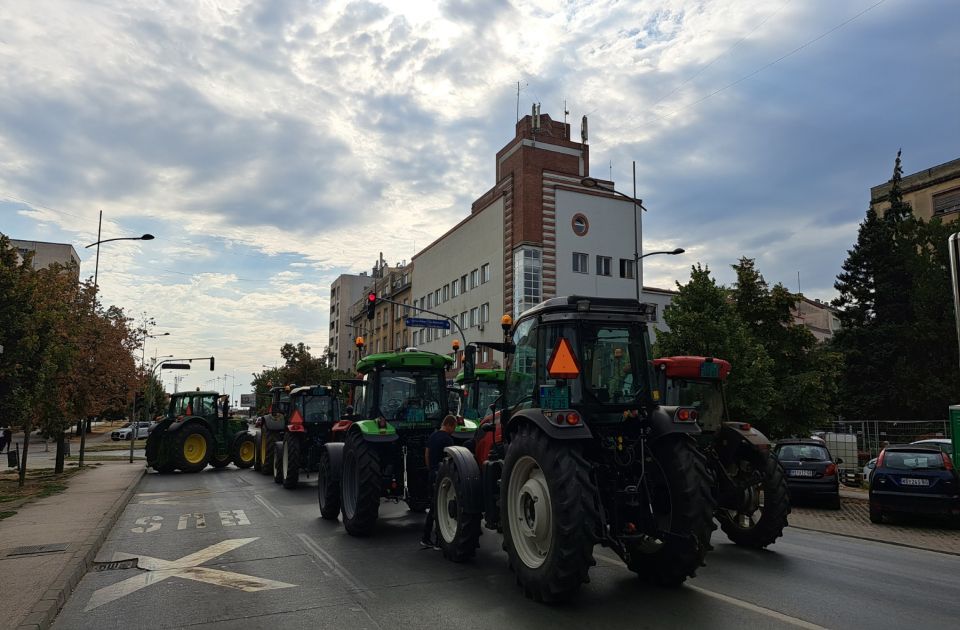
pixel 459 531
pixel 680 486
pixel 243 451
pixel 193 446
pixel 217 461
pixel 762 514
pixel 292 446
pixel 277 457
pixel 266 451
pixel 550 515
pixel 360 486
pixel 328 488
pixel 258 458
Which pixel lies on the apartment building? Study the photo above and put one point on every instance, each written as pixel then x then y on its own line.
pixel 932 192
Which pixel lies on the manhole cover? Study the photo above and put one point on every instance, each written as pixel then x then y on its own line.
pixel 130 563
pixel 32 550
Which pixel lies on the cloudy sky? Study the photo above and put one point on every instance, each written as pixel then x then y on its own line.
pixel 272 145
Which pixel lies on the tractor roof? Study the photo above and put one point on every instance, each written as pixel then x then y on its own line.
pixel 407 359
pixel 692 367
pixel 312 390
pixel 485 374
pixel 585 306
pixel 194 393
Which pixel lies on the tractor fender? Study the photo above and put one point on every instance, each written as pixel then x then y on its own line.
pixel 661 422
pixel 335 451
pixel 735 437
pixel 555 431
pixel 469 491
pixel 368 431
pixel 178 424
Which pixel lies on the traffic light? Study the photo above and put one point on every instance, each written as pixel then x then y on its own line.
pixel 469 362
pixel 211 364
pixel 371 304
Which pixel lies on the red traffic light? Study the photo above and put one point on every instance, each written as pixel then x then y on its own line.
pixel 372 297
pixel 371 304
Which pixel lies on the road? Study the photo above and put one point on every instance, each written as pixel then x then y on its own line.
pixel 224 547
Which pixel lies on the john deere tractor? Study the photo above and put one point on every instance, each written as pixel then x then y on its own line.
pixel 578 452
pixel 751 491
pixel 269 428
pixel 193 434
pixel 312 412
pixel 400 402
pixel 481 391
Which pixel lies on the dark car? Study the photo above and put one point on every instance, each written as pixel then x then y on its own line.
pixel 810 470
pixel 913 479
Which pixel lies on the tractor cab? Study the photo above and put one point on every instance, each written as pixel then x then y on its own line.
pixel 312 404
pixel 696 382
pixel 193 404
pixel 481 392
pixel 402 391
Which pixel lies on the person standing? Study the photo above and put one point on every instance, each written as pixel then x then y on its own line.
pixel 432 455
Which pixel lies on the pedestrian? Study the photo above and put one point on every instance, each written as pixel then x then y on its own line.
pixel 432 455
pixel 226 407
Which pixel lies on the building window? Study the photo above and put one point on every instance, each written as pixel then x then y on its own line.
pixel 406 308
pixel 463 320
pixel 626 268
pixel 653 312
pixel 416 337
pixel 474 278
pixel 436 297
pixel 397 347
pixel 429 300
pixel 455 288
pixel 474 316
pixel 603 265
pixel 580 224
pixel 580 263
pixel 485 313
pixel 947 202
pixel 446 292
pixel 527 279
pixel 485 273
pixel 463 283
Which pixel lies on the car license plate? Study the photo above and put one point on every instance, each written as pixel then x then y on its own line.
pixel 909 481
pixel 804 472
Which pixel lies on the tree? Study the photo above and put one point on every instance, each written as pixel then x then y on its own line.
pixel 703 321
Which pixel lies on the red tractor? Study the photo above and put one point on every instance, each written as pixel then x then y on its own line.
pixel 750 490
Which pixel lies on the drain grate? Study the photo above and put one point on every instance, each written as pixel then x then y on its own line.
pixel 130 563
pixel 33 550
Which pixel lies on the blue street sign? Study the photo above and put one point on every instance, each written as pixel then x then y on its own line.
pixel 420 322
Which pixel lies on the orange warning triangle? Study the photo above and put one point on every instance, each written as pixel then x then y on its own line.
pixel 563 362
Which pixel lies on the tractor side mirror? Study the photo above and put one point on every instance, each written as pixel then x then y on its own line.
pixel 487 427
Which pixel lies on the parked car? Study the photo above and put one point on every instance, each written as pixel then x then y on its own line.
pixel 868 470
pixel 945 445
pixel 810 470
pixel 124 433
pixel 914 479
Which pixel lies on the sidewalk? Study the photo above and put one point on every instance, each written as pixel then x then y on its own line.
pixel 36 581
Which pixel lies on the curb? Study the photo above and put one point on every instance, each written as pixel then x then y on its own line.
pixel 877 540
pixel 43 613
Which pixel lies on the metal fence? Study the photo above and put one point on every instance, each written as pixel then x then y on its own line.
pixel 871 434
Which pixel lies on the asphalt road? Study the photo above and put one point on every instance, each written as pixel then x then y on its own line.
pixel 228 549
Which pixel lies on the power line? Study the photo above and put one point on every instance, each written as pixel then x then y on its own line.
pixel 772 63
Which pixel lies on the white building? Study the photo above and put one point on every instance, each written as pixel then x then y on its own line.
pixel 344 291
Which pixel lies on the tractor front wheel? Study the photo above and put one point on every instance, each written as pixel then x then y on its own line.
pixel 459 531
pixel 360 486
pixel 328 487
pixel 192 448
pixel 762 514
pixel 292 444
pixel 243 451
pixel 277 457
pixel 678 484
pixel 266 451
pixel 550 515
pixel 257 458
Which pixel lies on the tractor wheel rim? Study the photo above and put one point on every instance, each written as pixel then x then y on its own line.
pixel 530 512
pixel 446 522
pixel 246 451
pixel 194 449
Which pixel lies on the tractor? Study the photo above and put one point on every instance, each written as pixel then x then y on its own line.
pixel 312 412
pixel 378 453
pixel 481 391
pixel 579 451
pixel 192 435
pixel 270 427
pixel 751 491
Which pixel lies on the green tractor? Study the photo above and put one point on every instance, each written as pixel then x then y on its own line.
pixel 193 434
pixel 481 391
pixel 312 412
pixel 378 454
pixel 269 428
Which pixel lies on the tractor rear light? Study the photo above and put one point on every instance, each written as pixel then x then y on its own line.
pixel 831 470
pixel 573 418
pixel 685 415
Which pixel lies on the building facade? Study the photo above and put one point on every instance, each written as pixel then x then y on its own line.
pixel 819 317
pixel 46 254
pixel 346 290
pixel 933 192
pixel 387 331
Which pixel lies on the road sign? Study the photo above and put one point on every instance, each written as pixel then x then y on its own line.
pixel 248 400
pixel 421 322
pixel 175 366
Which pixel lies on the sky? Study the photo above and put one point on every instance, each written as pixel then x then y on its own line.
pixel 272 145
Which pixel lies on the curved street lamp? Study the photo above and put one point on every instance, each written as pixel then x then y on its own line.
pixel 673 252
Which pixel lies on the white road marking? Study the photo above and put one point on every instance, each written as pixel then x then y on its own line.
pixel 147 524
pixel 200 519
pixel 767 612
pixel 266 504
pixel 335 568
pixel 168 498
pixel 229 518
pixel 187 568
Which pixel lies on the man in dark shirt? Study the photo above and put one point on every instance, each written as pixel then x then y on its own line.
pixel 432 456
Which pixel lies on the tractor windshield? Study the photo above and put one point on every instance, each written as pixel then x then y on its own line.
pixel 412 395
pixel 318 409
pixel 704 396
pixel 614 362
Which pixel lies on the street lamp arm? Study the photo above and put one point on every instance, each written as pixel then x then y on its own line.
pixel 590 182
pixel 145 237
pixel 673 252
